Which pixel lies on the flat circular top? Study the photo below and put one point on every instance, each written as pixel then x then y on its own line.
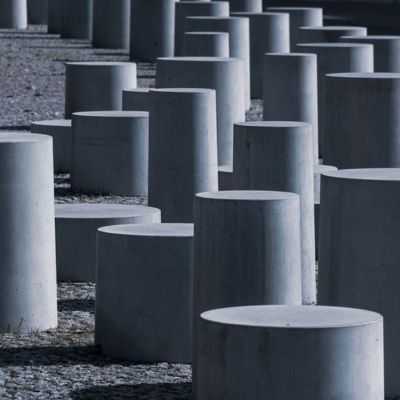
pixel 292 317
pixel 256 14
pixel 366 75
pixel 213 17
pixel 207 33
pixel 290 54
pixel 112 114
pixel 154 230
pixel 53 122
pixel 275 124
pixel 137 90
pixel 247 195
pixel 99 63
pixel 367 174
pixel 336 45
pixel 372 37
pixel 320 168
pixel 296 8
pixel 183 90
pixel 199 59
pixel 94 211
pixel 331 28
pixel 22 137
pixel 225 168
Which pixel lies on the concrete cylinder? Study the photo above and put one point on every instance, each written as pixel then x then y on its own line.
pixel 185 9
pixel 136 99
pixel 110 152
pixel 91 86
pixel 279 156
pixel 331 58
pixel 111 23
pixel 150 284
pixel 76 228
pixel 225 177
pixel 61 132
pixel 299 17
pixel 152 29
pixel 290 352
pixel 386 51
pixel 362 122
pixel 77 19
pixel 291 90
pixel 269 33
pixel 359 252
pixel 328 34
pixel 239 39
pixel 182 151
pixel 54 16
pixel 245 5
pixel 28 289
pixel 37 12
pixel 206 44
pixel 13 14
pixel 225 76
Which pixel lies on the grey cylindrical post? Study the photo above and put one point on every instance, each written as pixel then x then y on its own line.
pixel 360 253
pixel 331 58
pixel 13 14
pixel 77 19
pixel 37 12
pixel 206 44
pixel 239 39
pixel 279 156
pixel 136 99
pixel 110 152
pixel 225 177
pixel 225 75
pixel 299 17
pixel 245 5
pixel 76 228
pixel 291 90
pixel 185 9
pixel 269 33
pixel 386 51
pixel 183 150
pixel 111 23
pixel 91 86
pixel 330 34
pixel 152 29
pixel 28 290
pixel 150 284
pixel 54 16
pixel 290 352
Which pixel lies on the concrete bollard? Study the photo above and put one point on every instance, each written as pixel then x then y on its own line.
pixel 331 58
pixel 136 99
pixel 76 228
pixel 299 17
pixel 183 150
pixel 77 19
pixel 291 90
pixel 111 23
pixel 60 131
pixel 269 33
pixel 328 34
pixel 386 51
pixel 152 29
pixel 245 5
pixel 362 129
pixel 278 155
pixel 54 16
pixel 206 44
pixel 225 76
pixel 13 14
pixel 110 152
pixel 37 12
pixel 91 86
pixel 359 252
pixel 225 177
pixel 150 284
pixel 28 289
pixel 185 9
pixel 290 352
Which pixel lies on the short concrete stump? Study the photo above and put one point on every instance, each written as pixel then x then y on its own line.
pixel 144 296
pixel 13 14
pixel 76 227
pixel 77 19
pixel 61 132
pixel 110 152
pixel 206 44
pixel 225 176
pixel 330 34
pixel 137 99
pixel 245 5
pixel 290 352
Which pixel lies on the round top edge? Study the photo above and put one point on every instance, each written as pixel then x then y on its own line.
pixel 247 195
pixel 151 230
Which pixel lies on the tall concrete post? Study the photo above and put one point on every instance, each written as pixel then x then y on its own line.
pixel 77 19
pixel 245 5
pixel 13 14
pixel 54 11
pixel 329 34
pixel 206 44
pixel 137 99
pixel 37 12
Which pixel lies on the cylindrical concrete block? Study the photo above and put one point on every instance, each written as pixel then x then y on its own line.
pixel 54 16
pixel 245 5
pixel 110 152
pixel 362 128
pixel 77 19
pixel 111 23
pixel 386 51
pixel 13 14
pixel 183 150
pixel 269 33
pixel 60 131
pixel 144 296
pixel 360 253
pixel 206 44
pixel 225 177
pixel 239 39
pixel 76 228
pixel 299 17
pixel 279 156
pixel 290 352
pixel 28 289
pixel 152 29
pixel 92 86
pixel 332 58
pixel 136 99
pixel 37 12
pixel 185 9
pixel 330 34
pixel 291 90
pixel 225 75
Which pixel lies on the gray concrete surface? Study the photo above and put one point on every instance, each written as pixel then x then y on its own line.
pixel 37 12
pixel 245 5
pixel 13 14
pixel 329 34
pixel 137 99
pixel 54 16
pixel 206 44
pixel 77 19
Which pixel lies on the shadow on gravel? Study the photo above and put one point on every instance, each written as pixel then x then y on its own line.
pixel 157 391
pixel 76 305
